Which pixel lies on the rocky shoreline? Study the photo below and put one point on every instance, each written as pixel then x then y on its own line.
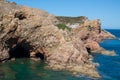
pixel 32 33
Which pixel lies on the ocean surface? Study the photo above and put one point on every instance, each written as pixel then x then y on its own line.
pixel 26 69
pixel 110 65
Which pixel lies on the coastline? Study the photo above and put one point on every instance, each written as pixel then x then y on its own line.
pixel 36 36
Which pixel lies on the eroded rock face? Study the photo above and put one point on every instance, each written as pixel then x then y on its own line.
pixel 20 25
pixel 34 34
pixel 91 33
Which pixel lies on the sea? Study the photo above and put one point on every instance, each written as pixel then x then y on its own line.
pixel 26 69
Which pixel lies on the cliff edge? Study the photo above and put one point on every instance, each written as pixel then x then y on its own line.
pixel 29 32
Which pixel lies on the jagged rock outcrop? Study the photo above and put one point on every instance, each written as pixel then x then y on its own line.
pixel 29 32
pixel 91 33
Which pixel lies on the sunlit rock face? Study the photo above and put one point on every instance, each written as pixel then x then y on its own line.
pixel 31 33
pixel 91 33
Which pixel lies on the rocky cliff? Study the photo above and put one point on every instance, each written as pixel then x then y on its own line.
pixel 29 32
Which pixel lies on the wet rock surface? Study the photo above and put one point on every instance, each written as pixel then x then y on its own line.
pixel 29 32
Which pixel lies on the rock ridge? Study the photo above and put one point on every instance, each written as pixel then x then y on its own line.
pixel 29 32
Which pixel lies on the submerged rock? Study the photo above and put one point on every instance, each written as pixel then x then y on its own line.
pixel 29 32
pixel 111 53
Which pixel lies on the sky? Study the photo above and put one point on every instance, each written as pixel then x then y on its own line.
pixel 108 11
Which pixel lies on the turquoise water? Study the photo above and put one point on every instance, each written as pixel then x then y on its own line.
pixel 26 69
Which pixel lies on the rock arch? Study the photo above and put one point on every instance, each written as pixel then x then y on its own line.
pixel 22 49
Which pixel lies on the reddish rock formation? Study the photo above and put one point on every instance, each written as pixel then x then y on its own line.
pixel 29 32
pixel 91 33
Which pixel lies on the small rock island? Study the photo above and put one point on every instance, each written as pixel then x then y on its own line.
pixel 36 34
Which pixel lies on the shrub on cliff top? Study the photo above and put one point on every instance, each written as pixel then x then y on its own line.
pixel 63 27
pixel 71 20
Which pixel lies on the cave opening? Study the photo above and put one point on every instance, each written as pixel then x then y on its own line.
pixel 22 49
pixel 40 55
pixel 19 51
pixel 18 48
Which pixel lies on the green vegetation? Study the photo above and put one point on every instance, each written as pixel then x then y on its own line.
pixel 71 20
pixel 63 27
pixel 63 21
